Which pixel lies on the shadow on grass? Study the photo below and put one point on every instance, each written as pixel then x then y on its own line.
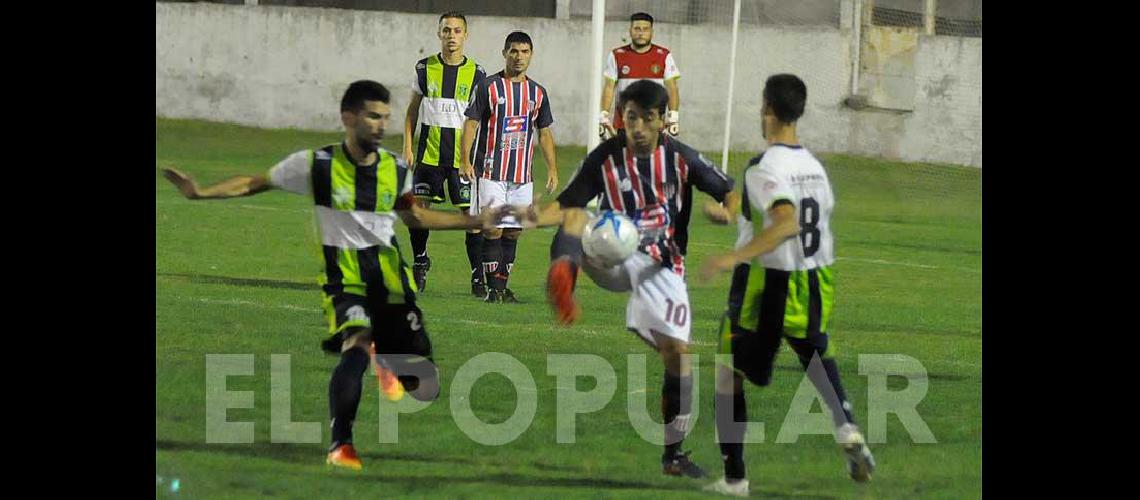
pixel 250 282
pixel 302 454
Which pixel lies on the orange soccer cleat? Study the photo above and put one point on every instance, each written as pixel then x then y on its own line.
pixel 344 456
pixel 560 291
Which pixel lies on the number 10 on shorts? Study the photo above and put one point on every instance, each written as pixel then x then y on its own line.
pixel 678 314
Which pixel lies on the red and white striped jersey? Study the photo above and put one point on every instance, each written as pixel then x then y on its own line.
pixel 651 191
pixel 508 114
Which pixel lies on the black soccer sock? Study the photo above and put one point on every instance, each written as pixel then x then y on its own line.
pixel 344 394
pixel 565 245
pixel 730 429
pixel 676 401
pixel 806 349
pixel 509 247
pixel 492 262
pixel 419 239
pixel 474 242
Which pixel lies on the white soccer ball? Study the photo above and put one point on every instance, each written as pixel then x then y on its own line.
pixel 610 238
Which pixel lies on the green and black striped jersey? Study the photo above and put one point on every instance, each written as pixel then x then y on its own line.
pixel 355 207
pixel 446 92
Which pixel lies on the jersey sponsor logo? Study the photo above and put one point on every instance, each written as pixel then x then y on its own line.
pixel 448 107
pixel 515 124
pixel 625 70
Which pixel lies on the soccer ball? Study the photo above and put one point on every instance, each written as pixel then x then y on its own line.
pixel 610 238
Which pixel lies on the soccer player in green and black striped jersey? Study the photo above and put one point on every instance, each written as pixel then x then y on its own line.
pixel 444 84
pixel 358 190
pixel 783 286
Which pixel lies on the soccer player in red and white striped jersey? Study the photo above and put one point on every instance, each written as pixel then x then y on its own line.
pixel 507 108
pixel 643 174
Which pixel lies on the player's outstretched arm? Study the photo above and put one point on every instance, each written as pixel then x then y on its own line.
pixel 784 226
pixel 549 153
pixel 240 185
pixel 540 215
pixel 425 218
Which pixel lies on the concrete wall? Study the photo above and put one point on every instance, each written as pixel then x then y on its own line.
pixel 287 67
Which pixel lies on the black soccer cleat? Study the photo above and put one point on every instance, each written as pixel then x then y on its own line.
pixel 419 272
pixel 680 465
pixel 478 289
pixel 508 297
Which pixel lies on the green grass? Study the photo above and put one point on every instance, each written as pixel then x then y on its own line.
pixel 238 277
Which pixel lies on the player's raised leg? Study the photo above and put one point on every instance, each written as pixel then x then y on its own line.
pixel 565 260
pixel 824 375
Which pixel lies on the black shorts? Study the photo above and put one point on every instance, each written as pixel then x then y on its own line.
pixel 396 328
pixel 429 181
pixel 754 350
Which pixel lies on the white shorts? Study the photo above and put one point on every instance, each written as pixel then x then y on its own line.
pixel 659 298
pixel 491 194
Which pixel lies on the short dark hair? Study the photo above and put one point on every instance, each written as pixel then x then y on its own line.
pixel 517 37
pixel 453 14
pixel 641 16
pixel 786 94
pixel 647 94
pixel 360 91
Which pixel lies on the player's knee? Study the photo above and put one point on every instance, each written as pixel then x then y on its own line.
pixel 356 338
pixel 574 220
pixel 812 345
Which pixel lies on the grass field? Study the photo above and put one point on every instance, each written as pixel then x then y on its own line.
pixel 238 277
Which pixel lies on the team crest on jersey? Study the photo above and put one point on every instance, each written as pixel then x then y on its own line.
pixel 502 100
pixel 625 70
pixel 462 89
pixel 386 199
pixel 655 69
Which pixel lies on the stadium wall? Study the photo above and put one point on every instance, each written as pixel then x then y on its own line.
pixel 286 67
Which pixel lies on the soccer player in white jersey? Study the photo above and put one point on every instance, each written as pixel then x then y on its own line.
pixel 782 285
pixel 359 190
pixel 642 174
